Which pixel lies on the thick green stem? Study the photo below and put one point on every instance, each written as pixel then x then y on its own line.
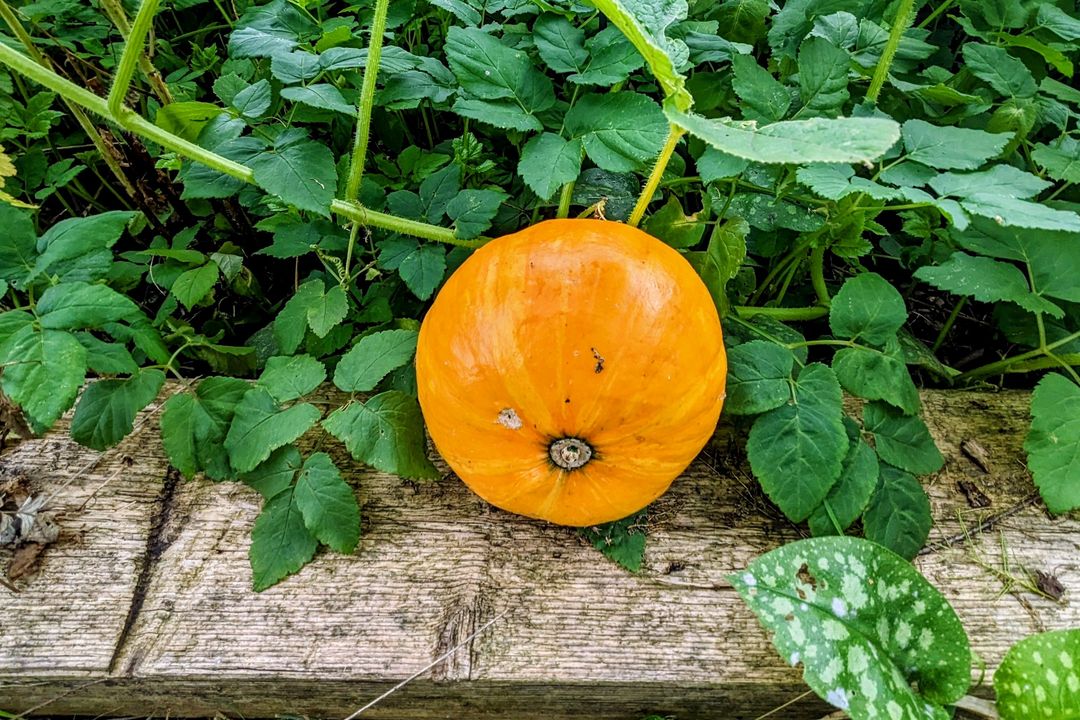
pixel 116 13
pixel 133 49
pixel 1018 363
pixel 674 133
pixel 782 313
pixel 367 100
pixel 940 340
pixel 564 200
pixel 900 24
pixel 817 275
pixel 107 157
pixel 136 124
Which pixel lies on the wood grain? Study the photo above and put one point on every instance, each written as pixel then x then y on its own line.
pixel 144 608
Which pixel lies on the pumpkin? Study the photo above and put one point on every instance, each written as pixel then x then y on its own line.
pixel 572 370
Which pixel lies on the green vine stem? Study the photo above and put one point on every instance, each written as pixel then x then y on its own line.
pixel 1019 363
pixel 132 121
pixel 367 101
pixel 817 275
pixel 674 134
pixel 940 340
pixel 133 49
pixel 564 200
pixel 116 13
pixel 782 313
pixel 107 156
pixel 900 24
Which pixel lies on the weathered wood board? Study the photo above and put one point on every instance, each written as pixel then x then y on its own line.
pixel 144 606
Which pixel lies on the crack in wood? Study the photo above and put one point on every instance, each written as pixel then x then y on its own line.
pixel 156 544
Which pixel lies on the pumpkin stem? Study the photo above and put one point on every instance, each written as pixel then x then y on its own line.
pixel 570 453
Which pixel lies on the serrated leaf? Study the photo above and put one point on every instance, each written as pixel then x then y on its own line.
pixel 619 131
pixel 191 286
pixel 715 165
pixel 18 244
pixel 186 119
pixel 622 541
pixel 290 324
pixel 106 411
pixel 43 370
pixel 723 258
pixel 473 210
pixel 1020 213
pixel 1003 72
pixel 75 305
pixel 876 375
pixel 548 162
pixel 300 172
pixel 902 440
pixel 490 70
pixel 898 516
pixel 764 98
pixel 293 67
pixel 1061 160
pixel 328 504
pixel 836 182
pixel 194 425
pixel 327 311
pixel 75 237
pixel 1053 443
pixel 260 426
pixel 386 432
pixel 674 226
pixel 253 101
pixel 1002 180
pixel 369 360
pixel 839 140
pixel 867 308
pixel 1040 675
pixel 611 59
pixel 797 449
pixel 561 45
pixel 823 76
pixel 275 474
pixel 986 280
pixel 618 192
pixel 759 377
pixel 105 358
pixel 951 148
pixel 281 544
pixel 850 495
pixel 835 605
pixel 322 96
pixel 291 377
pixel 421 266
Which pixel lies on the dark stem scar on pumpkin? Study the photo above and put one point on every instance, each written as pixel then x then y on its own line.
pixel 570 453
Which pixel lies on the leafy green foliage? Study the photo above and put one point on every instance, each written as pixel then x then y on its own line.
pixel 622 541
pixel 1039 677
pixel 386 432
pixel 1053 441
pixel 864 624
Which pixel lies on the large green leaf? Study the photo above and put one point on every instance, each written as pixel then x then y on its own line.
pixel 763 97
pixel 328 504
pixel 75 237
pixel 260 426
pixel 191 286
pixel 18 244
pixel 619 131
pixel 898 516
pixel 276 473
pixel 1003 72
pixel 840 140
pixel 867 308
pixel 43 370
pixel 386 432
pixel 106 411
pixel 561 45
pixel 372 358
pixel 194 425
pixel 1053 443
pixel 875 375
pixel 759 377
pixel 823 77
pixel 865 625
pixel 322 96
pixel 488 69
pixel 986 280
pixel 289 377
pixel 76 305
pixel 548 162
pixel 1040 677
pixel 902 440
pixel 473 211
pixel 281 544
pixel 951 148
pixel 796 450
pixel 299 171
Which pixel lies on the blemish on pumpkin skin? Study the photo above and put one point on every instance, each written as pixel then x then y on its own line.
pixel 599 361
pixel 509 419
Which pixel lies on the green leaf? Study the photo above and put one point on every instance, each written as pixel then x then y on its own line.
pixel 674 226
pixel 371 359
pixel 259 427
pixel 902 440
pixel 561 45
pixel 1021 213
pixel 619 131
pixel 715 165
pixel 1002 180
pixel 622 541
pixel 796 450
pixel 194 425
pixel 1058 21
pixel 823 77
pixel 253 101
pixel 328 504
pixel 764 98
pixel 327 311
pixel 548 162
pixel 618 192
pixel 18 243
pixel 473 210
pixel 1060 160
pixel 898 516
pixel 504 114
pixel 281 544
pixel 986 280
pixel 1039 675
pixel 75 305
pixel 300 172
pixel 291 377
pixel 611 59
pixel 759 377
pixel 845 140
pixel 186 119
pixel 191 286
pixel 1006 74
pixel 43 370
pixel 76 237
pixel 951 148
pixel 106 358
pixel 836 182
pixel 844 608
pixel 644 23
pixel 291 68
pixel 489 70
pixel 723 258
pixel 107 409
pixel 850 495
pixel 421 266
pixel 275 474
pixel 290 324
pixel 386 432
pixel 876 375
pixel 867 308
pixel 322 96
pixel 1053 443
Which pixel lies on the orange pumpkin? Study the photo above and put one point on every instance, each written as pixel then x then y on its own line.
pixel 572 370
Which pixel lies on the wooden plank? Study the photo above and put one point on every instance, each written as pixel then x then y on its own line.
pixel 573 635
